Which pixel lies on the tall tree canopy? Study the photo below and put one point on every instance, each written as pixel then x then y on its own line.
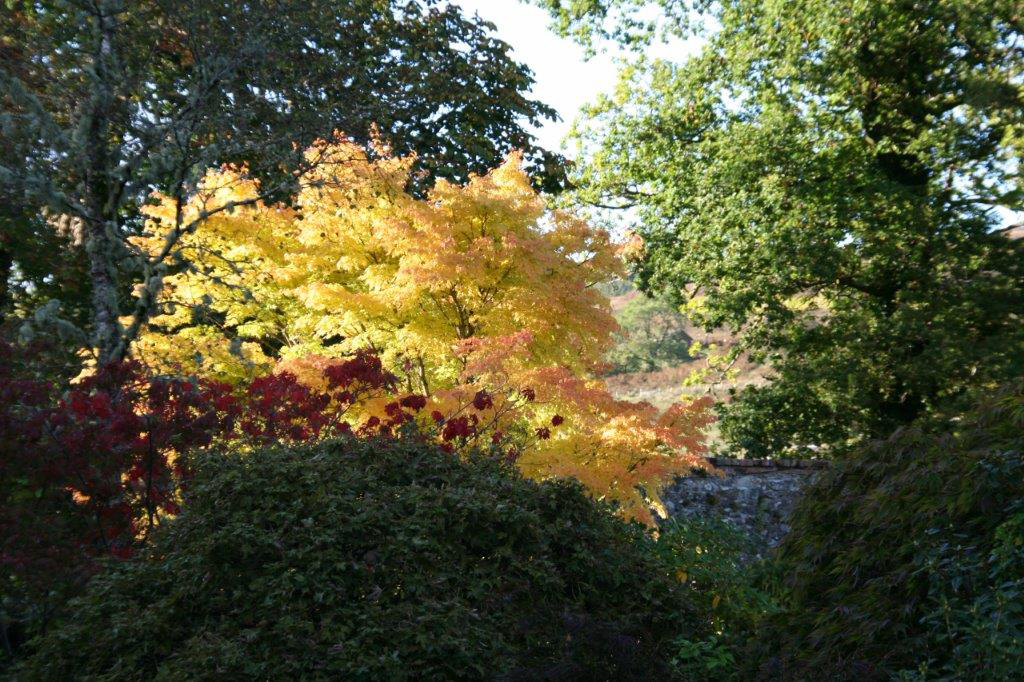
pixel 830 178
pixel 104 102
pixel 474 295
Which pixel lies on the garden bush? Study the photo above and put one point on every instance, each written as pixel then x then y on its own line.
pixel 730 588
pixel 907 558
pixel 377 559
pixel 89 472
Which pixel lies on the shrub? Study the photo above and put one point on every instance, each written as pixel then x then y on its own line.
pixel 92 471
pixel 377 559
pixel 715 560
pixel 909 556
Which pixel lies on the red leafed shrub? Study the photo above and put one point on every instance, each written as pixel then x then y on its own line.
pixel 482 401
pixel 89 473
pixel 364 371
pixel 459 427
pixel 414 402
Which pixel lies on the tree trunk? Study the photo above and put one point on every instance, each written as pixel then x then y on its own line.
pixel 106 332
pixel 101 227
pixel 6 264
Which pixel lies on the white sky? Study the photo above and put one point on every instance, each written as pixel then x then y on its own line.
pixel 564 80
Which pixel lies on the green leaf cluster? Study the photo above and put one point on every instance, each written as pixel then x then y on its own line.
pixel 377 560
pixel 730 588
pixel 908 558
pixel 831 180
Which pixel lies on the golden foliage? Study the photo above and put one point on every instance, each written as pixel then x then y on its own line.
pixel 474 287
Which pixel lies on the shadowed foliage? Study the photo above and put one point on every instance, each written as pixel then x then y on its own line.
pixel 377 560
pixel 910 556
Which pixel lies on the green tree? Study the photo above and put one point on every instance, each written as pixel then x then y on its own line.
pixel 32 269
pixel 103 102
pixel 652 336
pixel 830 179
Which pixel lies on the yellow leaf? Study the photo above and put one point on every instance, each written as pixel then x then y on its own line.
pixel 472 288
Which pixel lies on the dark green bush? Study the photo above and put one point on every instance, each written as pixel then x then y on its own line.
pixel 715 560
pixel 907 558
pixel 377 560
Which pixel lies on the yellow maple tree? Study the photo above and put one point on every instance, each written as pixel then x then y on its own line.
pixel 477 297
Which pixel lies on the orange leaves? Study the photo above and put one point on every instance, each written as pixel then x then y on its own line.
pixel 682 425
pixel 476 297
pixel 623 451
pixel 632 250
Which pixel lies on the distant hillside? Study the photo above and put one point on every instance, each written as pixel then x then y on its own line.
pixel 664 386
pixel 619 302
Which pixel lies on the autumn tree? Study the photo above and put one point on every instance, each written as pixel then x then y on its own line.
pixel 474 296
pixel 833 180
pixel 104 102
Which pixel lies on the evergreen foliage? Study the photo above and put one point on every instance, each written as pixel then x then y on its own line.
pixel 909 556
pixel 729 589
pixel 377 560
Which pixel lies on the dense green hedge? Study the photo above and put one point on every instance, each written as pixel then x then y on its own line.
pixel 729 587
pixel 378 560
pixel 907 558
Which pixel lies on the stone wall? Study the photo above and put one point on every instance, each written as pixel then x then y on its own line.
pixel 754 495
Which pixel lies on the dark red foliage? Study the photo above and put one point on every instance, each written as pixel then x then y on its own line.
pixel 414 402
pixel 529 394
pixel 482 401
pixel 278 408
pixel 364 370
pixel 557 420
pixel 104 459
pixel 543 433
pixel 457 427
pixel 90 472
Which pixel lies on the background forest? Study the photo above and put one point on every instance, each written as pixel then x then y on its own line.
pixel 315 363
